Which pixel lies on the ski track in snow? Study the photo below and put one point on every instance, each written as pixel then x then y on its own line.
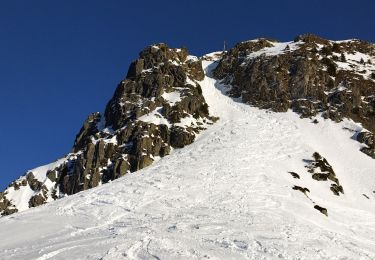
pixel 226 196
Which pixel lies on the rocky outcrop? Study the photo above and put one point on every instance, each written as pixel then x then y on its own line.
pixel 6 207
pixel 294 175
pixel 157 107
pixel 368 139
pixel 36 200
pixel 321 170
pixel 301 189
pixel 310 75
pixel 33 183
pixel 321 209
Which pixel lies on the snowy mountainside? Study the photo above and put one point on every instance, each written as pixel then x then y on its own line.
pixel 228 195
pixel 157 107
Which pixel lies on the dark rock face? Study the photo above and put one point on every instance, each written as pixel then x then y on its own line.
pixel 157 107
pixel 34 184
pixel 125 139
pixel 36 200
pixel 310 75
pixel 368 139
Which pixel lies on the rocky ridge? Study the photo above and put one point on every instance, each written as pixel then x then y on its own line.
pixel 157 107
pixel 310 75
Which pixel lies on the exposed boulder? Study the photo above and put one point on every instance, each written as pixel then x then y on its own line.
pixel 294 175
pixel 321 209
pixel 180 137
pixel 301 189
pixel 34 184
pixel 368 139
pixel 135 69
pixel 52 175
pixel 320 176
pixel 321 170
pixel 89 128
pixel 36 200
pixel 336 189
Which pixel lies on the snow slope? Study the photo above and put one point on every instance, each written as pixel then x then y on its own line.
pixel 227 196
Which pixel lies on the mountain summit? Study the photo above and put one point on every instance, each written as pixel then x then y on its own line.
pixel 160 106
pixel 264 151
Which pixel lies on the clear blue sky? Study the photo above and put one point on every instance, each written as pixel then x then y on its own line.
pixel 61 60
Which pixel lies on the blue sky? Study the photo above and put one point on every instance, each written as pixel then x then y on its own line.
pixel 61 60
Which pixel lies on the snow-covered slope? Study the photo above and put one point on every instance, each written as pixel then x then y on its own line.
pixel 156 108
pixel 226 196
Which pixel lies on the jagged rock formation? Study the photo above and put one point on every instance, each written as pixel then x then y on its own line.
pixel 321 170
pixel 310 75
pixel 159 106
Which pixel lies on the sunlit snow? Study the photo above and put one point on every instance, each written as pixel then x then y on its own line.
pixel 226 196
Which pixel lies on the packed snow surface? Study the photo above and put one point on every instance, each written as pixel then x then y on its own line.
pixel 227 196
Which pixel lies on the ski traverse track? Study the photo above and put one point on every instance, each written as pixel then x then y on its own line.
pixel 226 196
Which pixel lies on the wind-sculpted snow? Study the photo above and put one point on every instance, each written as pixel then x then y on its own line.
pixel 226 196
